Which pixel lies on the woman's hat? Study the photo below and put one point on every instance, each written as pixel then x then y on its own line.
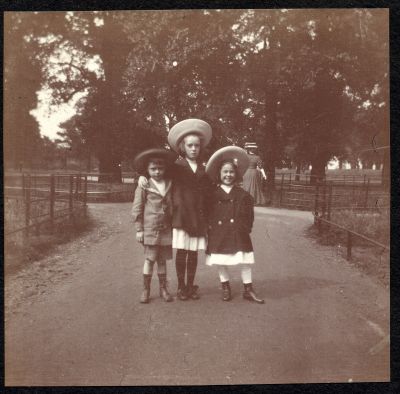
pixel 232 153
pixel 142 159
pixel 250 145
pixel 189 126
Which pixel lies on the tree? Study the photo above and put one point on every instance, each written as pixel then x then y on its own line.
pixel 22 76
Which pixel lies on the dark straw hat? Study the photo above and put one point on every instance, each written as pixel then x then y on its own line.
pixel 142 159
pixel 228 153
pixel 189 126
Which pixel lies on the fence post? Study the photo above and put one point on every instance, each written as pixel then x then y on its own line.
pixel 324 201
pixel 52 198
pixel 77 185
pixel 349 245
pixel 366 195
pixel 280 198
pixel 85 195
pixel 27 185
pixel 316 199
pixel 71 192
pixel 23 186
pixel 330 201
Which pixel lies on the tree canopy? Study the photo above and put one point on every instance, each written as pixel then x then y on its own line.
pixel 308 85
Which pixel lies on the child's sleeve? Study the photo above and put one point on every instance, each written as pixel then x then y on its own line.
pixel 138 208
pixel 246 213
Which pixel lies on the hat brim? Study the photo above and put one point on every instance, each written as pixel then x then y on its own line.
pixel 235 153
pixel 186 127
pixel 142 159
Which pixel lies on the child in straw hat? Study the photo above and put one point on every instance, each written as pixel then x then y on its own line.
pixel 230 219
pixel 188 138
pixel 152 215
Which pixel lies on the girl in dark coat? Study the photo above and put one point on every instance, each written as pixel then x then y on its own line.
pixel 191 184
pixel 230 220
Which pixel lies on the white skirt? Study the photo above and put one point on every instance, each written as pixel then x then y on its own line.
pixel 182 240
pixel 230 259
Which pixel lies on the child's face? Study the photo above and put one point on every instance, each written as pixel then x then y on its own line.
pixel 228 174
pixel 156 170
pixel 191 144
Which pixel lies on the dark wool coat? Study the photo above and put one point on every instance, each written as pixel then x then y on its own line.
pixel 230 220
pixel 188 198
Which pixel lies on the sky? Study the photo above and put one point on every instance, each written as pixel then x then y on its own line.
pixel 49 122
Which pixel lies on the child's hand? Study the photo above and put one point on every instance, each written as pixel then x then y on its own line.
pixel 139 236
pixel 143 182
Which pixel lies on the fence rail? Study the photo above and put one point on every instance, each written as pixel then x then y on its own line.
pixel 34 200
pixel 350 235
pixel 305 178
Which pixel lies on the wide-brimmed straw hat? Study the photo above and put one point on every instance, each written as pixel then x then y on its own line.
pixel 142 159
pixel 228 153
pixel 189 126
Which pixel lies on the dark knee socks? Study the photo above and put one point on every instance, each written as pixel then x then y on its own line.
pixel 191 267
pixel 180 264
pixel 185 258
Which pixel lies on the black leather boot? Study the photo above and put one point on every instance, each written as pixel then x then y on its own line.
pixel 249 294
pixel 181 293
pixel 145 297
pixel 226 291
pixel 163 288
pixel 192 292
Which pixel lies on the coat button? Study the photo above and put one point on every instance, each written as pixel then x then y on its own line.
pixel 219 222
pixel 232 220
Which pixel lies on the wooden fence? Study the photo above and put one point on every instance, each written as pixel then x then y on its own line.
pixel 305 178
pixel 329 195
pixel 351 235
pixel 32 201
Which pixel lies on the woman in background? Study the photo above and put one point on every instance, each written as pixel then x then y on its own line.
pixel 252 179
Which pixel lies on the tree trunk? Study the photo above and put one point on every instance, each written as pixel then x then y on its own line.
pixel 298 168
pixel 89 162
pixel 110 169
pixel 317 171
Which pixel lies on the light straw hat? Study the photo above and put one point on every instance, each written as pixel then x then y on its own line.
pixel 189 126
pixel 233 153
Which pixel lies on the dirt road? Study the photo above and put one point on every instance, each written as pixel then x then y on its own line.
pixel 74 317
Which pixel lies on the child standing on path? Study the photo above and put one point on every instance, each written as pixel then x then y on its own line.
pixel 230 219
pixel 152 215
pixel 188 138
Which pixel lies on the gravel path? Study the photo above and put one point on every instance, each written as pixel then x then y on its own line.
pixel 74 318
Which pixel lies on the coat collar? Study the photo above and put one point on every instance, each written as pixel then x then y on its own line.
pixel 223 195
pixel 153 188
pixel 184 163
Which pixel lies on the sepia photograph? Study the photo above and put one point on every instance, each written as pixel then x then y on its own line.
pixel 196 197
